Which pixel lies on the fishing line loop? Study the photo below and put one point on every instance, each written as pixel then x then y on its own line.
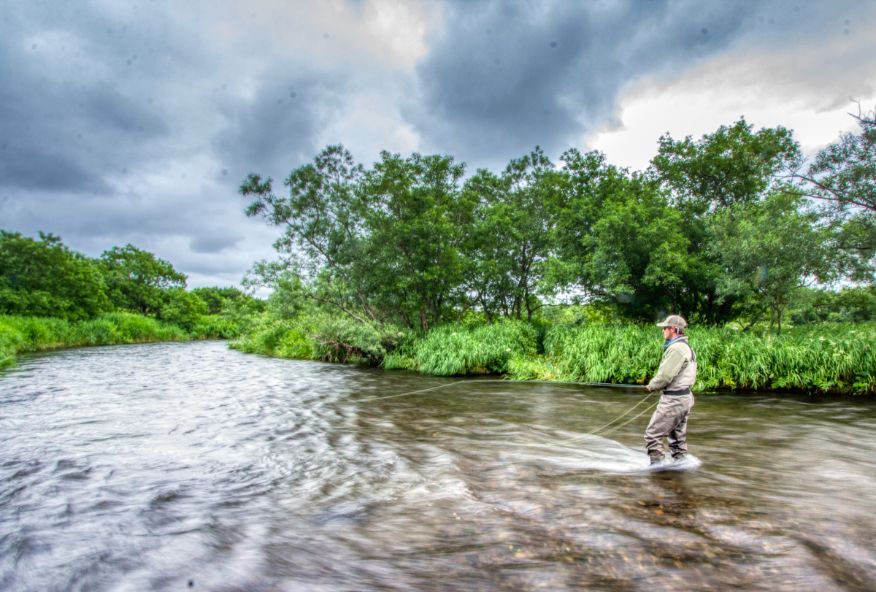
pixel 604 429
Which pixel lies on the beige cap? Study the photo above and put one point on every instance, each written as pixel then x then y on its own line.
pixel 673 321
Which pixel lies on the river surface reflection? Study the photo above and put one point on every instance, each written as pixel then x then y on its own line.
pixel 191 466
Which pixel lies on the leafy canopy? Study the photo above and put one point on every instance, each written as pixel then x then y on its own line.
pixel 137 280
pixel 45 278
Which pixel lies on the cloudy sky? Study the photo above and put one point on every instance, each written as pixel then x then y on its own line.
pixel 135 122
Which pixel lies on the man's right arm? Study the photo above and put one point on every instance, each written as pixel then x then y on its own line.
pixel 670 366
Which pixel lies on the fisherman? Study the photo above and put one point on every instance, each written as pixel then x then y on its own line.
pixel 675 377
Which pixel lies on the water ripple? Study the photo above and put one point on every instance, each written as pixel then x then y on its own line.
pixel 190 466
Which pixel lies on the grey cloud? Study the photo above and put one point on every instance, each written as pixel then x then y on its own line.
pixel 274 132
pixel 74 214
pixel 504 77
pixel 107 128
pixel 213 242
pixel 72 113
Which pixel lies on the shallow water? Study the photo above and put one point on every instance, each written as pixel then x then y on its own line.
pixel 190 466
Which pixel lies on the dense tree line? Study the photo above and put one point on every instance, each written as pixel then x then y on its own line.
pixel 43 277
pixel 731 226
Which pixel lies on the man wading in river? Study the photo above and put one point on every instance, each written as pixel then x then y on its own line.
pixel 676 375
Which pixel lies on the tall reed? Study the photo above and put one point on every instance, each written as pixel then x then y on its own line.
pixel 460 350
pixel 838 358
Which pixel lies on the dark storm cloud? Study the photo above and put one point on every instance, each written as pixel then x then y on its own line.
pixel 503 77
pixel 273 132
pixel 128 123
pixel 88 97
pixel 73 106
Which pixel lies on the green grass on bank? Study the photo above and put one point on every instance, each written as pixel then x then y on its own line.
pixel 464 350
pixel 815 358
pixel 825 357
pixel 30 334
pixel 839 358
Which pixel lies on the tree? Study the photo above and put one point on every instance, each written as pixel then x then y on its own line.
pixel 383 243
pixel 637 255
pixel 618 239
pixel 843 177
pixel 849 305
pixel 510 239
pixel 218 299
pixel 732 165
pixel 416 223
pixel 767 250
pixel 45 278
pixel 138 280
pixel 181 308
pixel 322 219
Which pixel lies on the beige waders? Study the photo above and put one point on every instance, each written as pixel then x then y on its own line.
pixel 669 421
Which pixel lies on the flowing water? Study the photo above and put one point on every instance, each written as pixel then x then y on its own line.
pixel 194 467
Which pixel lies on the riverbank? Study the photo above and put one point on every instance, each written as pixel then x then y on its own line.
pixel 31 334
pixel 818 358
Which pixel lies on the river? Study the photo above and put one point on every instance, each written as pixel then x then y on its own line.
pixel 195 467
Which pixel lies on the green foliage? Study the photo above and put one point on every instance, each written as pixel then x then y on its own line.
pixel 849 305
pixel 533 368
pixel 218 300
pixel 636 252
pixel 20 334
pixel 402 242
pixel 577 314
pixel 386 242
pixel 843 178
pixel 733 165
pixel 182 308
pixel 458 350
pixel 510 238
pixel 822 358
pixel 844 173
pixel 44 278
pixel 216 327
pixel 618 240
pixel 416 225
pixel 12 341
pixel 138 280
pixel 265 338
pixel 340 339
pixel 602 353
pixel 290 296
pixel 710 231
pixel 766 250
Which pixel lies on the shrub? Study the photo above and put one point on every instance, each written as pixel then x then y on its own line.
pixel 459 350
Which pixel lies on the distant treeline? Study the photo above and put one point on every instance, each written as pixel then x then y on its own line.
pixel 42 277
pixel 732 227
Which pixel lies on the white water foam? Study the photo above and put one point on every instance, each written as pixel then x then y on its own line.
pixel 597 453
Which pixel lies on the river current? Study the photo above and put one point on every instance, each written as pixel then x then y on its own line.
pixel 195 467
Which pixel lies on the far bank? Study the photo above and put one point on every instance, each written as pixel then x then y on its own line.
pixel 817 358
